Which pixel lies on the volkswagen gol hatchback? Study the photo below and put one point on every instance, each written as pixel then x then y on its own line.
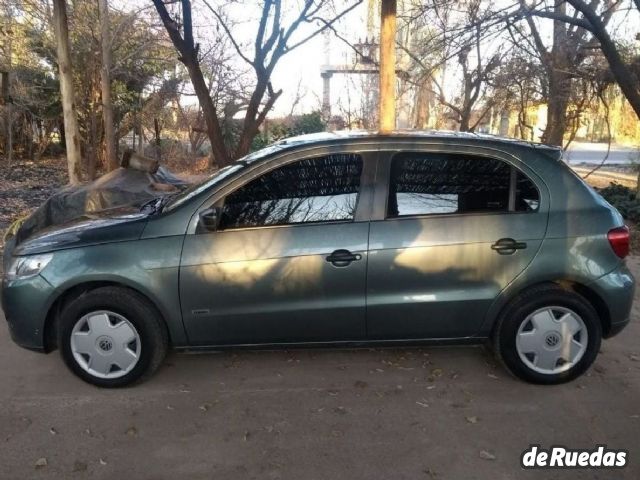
pixel 338 239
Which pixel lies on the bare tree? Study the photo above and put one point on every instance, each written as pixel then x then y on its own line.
pixel 71 130
pixel 272 41
pixel 451 34
pixel 626 76
pixel 575 34
pixel 105 81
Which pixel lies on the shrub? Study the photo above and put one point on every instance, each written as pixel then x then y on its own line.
pixel 624 199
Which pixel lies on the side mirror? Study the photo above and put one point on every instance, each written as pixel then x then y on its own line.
pixel 209 219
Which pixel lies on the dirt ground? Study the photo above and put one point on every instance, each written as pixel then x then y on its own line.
pixel 432 413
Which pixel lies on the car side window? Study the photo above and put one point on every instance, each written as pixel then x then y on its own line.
pixel 439 183
pixel 527 195
pixel 320 189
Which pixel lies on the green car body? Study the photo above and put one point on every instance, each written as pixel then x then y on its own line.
pixel 417 278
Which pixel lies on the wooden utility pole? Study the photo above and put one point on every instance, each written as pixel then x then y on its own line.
pixel 105 81
pixel 71 130
pixel 388 66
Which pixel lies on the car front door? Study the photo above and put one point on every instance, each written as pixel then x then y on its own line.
pixel 451 229
pixel 280 255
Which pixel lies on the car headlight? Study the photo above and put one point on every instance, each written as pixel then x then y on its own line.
pixel 28 266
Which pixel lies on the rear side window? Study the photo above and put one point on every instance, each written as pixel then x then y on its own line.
pixel 440 183
pixel 320 189
pixel 527 196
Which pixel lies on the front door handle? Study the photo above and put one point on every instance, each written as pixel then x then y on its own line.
pixel 343 258
pixel 508 246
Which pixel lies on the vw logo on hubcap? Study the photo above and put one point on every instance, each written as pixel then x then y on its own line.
pixel 105 344
pixel 552 340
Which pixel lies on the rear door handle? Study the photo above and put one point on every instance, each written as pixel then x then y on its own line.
pixel 343 258
pixel 508 246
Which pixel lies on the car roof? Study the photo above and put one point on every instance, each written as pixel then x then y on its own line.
pixel 339 136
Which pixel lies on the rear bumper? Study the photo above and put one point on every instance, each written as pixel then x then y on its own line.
pixel 617 289
pixel 25 304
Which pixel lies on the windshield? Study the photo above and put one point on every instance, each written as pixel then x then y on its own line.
pixel 221 174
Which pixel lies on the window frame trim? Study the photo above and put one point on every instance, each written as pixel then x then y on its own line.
pixel 367 151
pixel 384 182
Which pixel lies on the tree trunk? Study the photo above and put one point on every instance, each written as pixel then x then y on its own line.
pixel 388 66
pixel 422 110
pixel 559 82
pixel 71 130
pixel 156 127
pixel 465 119
pixel 220 155
pixel 92 143
pixel 105 80
pixel 558 102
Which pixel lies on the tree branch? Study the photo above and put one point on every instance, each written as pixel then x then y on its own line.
pixel 227 31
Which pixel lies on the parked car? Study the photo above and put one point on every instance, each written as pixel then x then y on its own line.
pixel 338 239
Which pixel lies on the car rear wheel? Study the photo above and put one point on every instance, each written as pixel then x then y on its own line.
pixel 548 335
pixel 111 337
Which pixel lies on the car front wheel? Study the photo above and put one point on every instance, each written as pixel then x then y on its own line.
pixel 111 337
pixel 548 335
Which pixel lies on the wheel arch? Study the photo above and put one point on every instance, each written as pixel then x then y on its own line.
pixel 72 292
pixel 580 288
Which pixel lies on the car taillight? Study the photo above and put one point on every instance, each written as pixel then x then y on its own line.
pixel 619 240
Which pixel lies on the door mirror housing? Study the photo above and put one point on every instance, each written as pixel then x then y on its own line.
pixel 209 219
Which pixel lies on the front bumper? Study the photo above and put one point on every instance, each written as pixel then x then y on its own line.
pixel 617 289
pixel 25 304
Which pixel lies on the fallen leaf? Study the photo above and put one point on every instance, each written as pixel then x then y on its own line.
pixel 53 431
pixel 41 463
pixel 431 473
pixel 472 419
pixel 423 404
pixel 436 372
pixel 102 462
pixel 487 455
pixel 491 375
pixel 205 406
pixel 132 431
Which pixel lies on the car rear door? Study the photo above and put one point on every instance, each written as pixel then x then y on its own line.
pixel 451 228
pixel 286 261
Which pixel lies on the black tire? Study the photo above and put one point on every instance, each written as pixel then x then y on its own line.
pixel 137 310
pixel 512 316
